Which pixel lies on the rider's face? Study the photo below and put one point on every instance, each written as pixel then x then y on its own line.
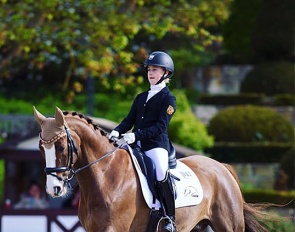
pixel 154 74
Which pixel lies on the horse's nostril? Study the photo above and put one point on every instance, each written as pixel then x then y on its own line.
pixel 57 190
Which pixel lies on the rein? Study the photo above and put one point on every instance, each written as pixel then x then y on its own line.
pixel 72 149
pixel 74 172
pixel 95 161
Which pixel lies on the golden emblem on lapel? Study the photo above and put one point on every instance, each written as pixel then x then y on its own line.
pixel 170 110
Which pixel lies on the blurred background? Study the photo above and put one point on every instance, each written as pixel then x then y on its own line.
pixel 234 84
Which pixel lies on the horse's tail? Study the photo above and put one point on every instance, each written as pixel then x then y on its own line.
pixel 254 216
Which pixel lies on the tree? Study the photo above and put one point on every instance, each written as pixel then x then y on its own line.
pixel 274 30
pixel 260 30
pixel 60 43
pixel 238 28
pixel 273 44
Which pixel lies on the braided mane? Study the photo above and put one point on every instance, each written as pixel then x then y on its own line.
pixel 88 120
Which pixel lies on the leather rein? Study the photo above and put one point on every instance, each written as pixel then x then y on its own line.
pixel 72 150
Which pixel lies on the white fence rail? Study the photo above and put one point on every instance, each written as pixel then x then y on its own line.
pixel 51 220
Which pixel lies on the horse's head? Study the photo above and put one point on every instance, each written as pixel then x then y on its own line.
pixel 59 149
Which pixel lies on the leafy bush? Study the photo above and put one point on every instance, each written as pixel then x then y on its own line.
pixel 192 96
pixel 283 225
pixel 270 79
pixel 113 107
pixel 47 105
pixel 185 128
pixel 19 106
pixel 15 106
pixel 250 124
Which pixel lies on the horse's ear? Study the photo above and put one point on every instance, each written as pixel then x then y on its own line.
pixel 59 116
pixel 38 116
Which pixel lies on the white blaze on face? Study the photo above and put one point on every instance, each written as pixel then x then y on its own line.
pixel 51 181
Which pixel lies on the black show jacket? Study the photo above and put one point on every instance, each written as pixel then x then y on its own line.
pixel 150 119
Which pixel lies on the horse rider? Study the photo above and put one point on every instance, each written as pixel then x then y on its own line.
pixel 149 117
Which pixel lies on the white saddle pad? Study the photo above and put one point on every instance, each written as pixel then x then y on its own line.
pixel 189 190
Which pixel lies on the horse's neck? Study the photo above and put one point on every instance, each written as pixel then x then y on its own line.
pixel 92 144
pixel 107 178
pixel 96 151
pixel 110 174
pixel 94 147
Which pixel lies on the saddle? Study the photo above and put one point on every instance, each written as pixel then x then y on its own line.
pixel 148 167
pixel 189 191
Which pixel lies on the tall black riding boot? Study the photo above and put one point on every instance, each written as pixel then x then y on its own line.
pixel 166 195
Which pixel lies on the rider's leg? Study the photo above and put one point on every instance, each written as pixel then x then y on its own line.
pixel 164 186
pixel 166 192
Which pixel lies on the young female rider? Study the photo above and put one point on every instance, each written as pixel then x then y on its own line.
pixel 149 117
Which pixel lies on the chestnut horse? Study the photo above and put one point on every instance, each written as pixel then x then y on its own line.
pixel 111 198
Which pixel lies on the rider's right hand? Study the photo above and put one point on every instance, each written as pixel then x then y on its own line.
pixel 114 134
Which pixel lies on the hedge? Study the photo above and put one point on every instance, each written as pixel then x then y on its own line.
pixel 246 99
pixel 232 99
pixel 248 152
pixel 270 78
pixel 282 198
pixel 251 124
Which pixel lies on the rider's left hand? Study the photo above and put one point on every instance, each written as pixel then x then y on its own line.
pixel 129 137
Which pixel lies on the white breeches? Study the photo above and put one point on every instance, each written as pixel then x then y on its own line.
pixel 160 158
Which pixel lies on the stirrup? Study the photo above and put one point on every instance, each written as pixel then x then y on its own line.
pixel 169 225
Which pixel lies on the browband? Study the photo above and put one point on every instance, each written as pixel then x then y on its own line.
pixel 56 137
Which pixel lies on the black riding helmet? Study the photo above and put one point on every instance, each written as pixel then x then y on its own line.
pixel 163 60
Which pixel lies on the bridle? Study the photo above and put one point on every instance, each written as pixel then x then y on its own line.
pixel 72 150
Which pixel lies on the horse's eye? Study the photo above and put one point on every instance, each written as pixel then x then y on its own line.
pixel 60 149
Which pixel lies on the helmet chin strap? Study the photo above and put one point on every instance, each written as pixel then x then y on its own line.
pixel 163 77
